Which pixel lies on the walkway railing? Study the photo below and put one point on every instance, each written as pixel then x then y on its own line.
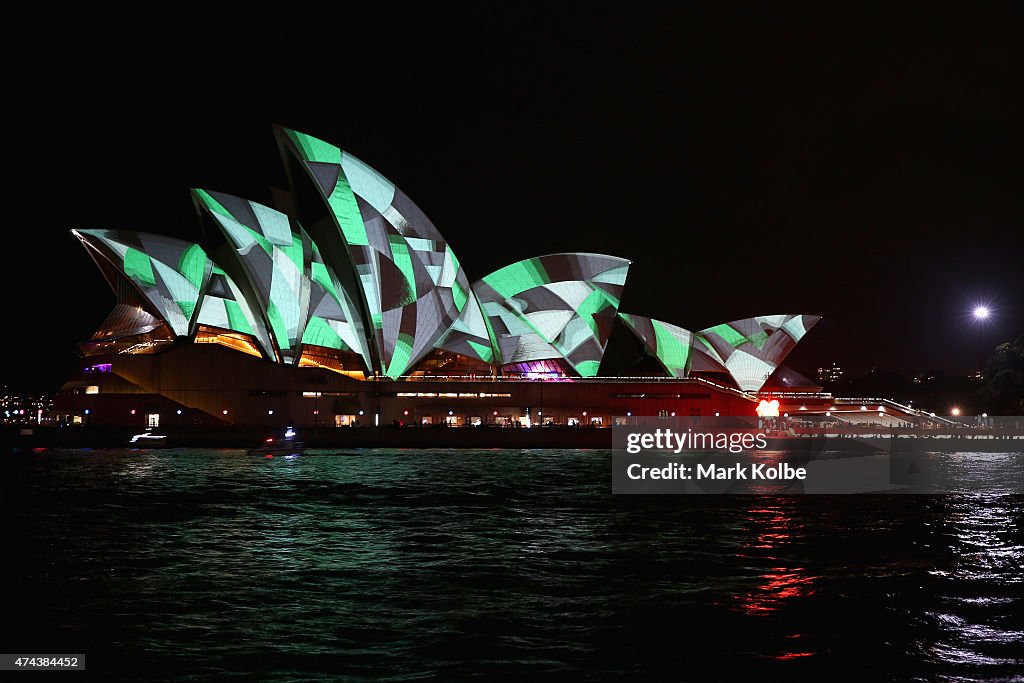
pixel 601 380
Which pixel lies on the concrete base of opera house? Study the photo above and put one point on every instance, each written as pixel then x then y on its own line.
pixel 206 385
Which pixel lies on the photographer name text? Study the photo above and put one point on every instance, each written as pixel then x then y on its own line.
pixel 703 471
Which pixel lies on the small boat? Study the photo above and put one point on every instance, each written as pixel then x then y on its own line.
pixel 149 439
pixel 285 445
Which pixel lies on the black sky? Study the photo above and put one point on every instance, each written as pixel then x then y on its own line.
pixel 867 168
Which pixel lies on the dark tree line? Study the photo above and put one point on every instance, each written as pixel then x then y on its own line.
pixel 1003 390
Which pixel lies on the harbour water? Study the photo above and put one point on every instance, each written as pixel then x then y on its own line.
pixel 195 565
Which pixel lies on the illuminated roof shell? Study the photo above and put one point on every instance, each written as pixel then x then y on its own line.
pixel 752 348
pixel 413 285
pixel 300 297
pixel 669 344
pixel 748 350
pixel 179 281
pixel 560 306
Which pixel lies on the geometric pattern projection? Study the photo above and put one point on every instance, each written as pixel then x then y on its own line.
pixel 560 306
pixel 469 335
pixel 405 292
pixel 168 272
pixel 224 306
pixel 413 286
pixel 299 296
pixel 751 349
pixel 669 344
pixel 748 350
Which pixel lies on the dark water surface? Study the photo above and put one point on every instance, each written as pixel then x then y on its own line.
pixel 410 565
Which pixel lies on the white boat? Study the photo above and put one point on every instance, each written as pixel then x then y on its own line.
pixel 148 439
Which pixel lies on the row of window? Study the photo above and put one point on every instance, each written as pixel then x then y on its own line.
pixel 427 394
pixel 660 396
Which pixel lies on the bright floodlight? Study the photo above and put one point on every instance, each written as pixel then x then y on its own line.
pixel 981 312
pixel 956 412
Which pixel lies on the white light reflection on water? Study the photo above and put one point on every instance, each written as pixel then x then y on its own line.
pixel 982 628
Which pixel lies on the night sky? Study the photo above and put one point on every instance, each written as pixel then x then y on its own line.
pixel 866 168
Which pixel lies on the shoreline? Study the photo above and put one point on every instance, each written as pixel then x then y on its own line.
pixel 27 438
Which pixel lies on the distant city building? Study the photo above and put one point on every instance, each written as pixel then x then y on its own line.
pixel 24 408
pixel 830 375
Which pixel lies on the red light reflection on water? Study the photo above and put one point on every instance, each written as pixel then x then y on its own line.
pixel 777 585
pixel 771 529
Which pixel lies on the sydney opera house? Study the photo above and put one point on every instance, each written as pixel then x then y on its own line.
pixel 345 305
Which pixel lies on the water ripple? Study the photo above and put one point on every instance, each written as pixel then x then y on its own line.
pixel 195 565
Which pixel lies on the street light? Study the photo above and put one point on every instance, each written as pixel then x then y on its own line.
pixel 981 312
